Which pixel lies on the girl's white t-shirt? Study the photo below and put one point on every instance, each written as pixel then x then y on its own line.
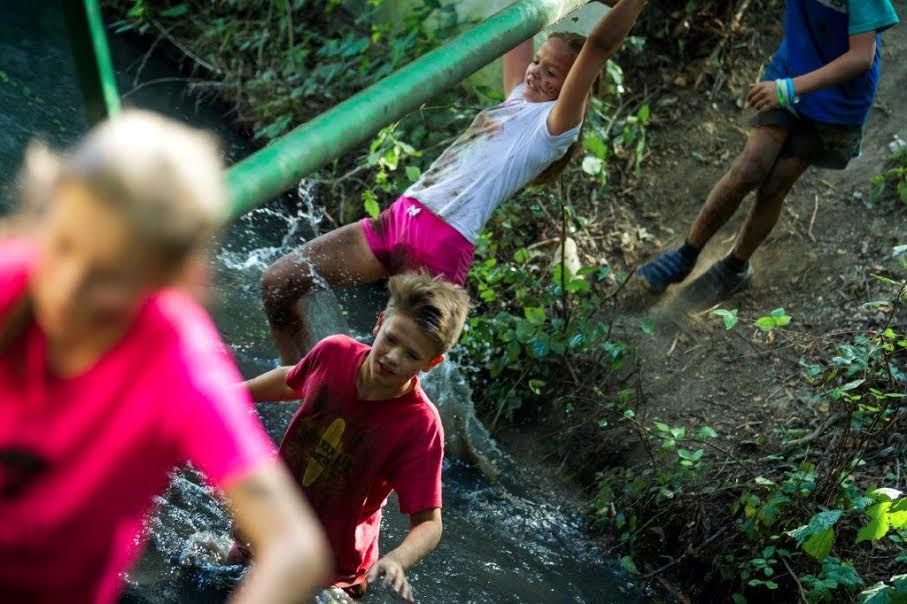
pixel 506 147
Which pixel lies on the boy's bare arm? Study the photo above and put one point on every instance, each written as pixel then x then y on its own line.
pixel 856 61
pixel 424 535
pixel 271 386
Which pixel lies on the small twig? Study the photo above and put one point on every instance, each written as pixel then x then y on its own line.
pixel 829 421
pixel 190 81
pixel 184 49
pixel 812 220
pixel 145 57
pixel 679 559
pixel 796 579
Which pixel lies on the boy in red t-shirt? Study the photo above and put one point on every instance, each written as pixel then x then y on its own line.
pixel 365 428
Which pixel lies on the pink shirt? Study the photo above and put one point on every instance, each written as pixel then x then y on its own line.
pixel 81 458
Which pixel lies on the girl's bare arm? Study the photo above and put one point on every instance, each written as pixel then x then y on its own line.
pixel 515 63
pixel 291 554
pixel 600 46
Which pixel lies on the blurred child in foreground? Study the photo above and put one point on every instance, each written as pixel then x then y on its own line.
pixel 110 376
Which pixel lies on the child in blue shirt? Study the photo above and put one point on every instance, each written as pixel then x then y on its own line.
pixel 815 97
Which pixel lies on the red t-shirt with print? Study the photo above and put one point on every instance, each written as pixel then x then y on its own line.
pixel 349 454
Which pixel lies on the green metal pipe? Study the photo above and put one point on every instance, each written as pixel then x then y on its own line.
pixel 279 166
pixel 92 57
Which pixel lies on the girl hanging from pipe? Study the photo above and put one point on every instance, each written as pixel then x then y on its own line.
pixel 435 223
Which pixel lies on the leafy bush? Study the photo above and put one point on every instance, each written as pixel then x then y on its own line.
pixel 895 178
pixel 282 62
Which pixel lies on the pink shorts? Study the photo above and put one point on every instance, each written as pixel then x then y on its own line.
pixel 408 236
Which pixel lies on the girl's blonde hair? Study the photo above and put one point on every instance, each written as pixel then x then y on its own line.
pixel 575 44
pixel 165 179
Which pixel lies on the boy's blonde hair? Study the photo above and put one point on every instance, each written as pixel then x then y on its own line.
pixel 165 178
pixel 438 307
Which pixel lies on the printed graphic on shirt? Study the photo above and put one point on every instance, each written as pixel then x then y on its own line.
pixel 19 468
pixel 324 455
pixel 320 452
pixel 838 5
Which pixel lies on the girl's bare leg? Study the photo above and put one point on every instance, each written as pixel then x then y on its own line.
pixel 339 258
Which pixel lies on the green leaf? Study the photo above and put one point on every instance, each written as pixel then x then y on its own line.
pixel 690 455
pixel 539 346
pixel 897 515
pixel 763 481
pixel 729 316
pixel 275 128
pixel 647 325
pixel 525 331
pixel 878 522
pixel 817 537
pixel 576 286
pixel 535 315
pixel 626 563
pixel 819 544
pixel 595 145
pixel 765 323
pixel 706 432
pixel 852 385
pixel 644 113
pixel 413 173
pixel 175 11
pixel 370 203
pixel 878 594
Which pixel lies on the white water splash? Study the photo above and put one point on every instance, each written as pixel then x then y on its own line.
pixel 305 190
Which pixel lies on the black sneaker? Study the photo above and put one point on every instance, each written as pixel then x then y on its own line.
pixel 670 267
pixel 718 283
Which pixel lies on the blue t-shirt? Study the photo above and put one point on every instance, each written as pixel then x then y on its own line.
pixel 816 33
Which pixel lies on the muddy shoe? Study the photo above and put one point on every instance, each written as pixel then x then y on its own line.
pixel 670 267
pixel 718 283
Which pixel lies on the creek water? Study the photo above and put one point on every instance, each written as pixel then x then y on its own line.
pixel 519 543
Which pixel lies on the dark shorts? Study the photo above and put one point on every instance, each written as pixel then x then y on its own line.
pixel 817 143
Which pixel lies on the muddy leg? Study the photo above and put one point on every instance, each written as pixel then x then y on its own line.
pixel 339 258
pixel 769 201
pixel 750 169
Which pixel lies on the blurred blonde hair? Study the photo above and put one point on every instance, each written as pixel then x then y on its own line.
pixel 165 179
pixel 436 306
